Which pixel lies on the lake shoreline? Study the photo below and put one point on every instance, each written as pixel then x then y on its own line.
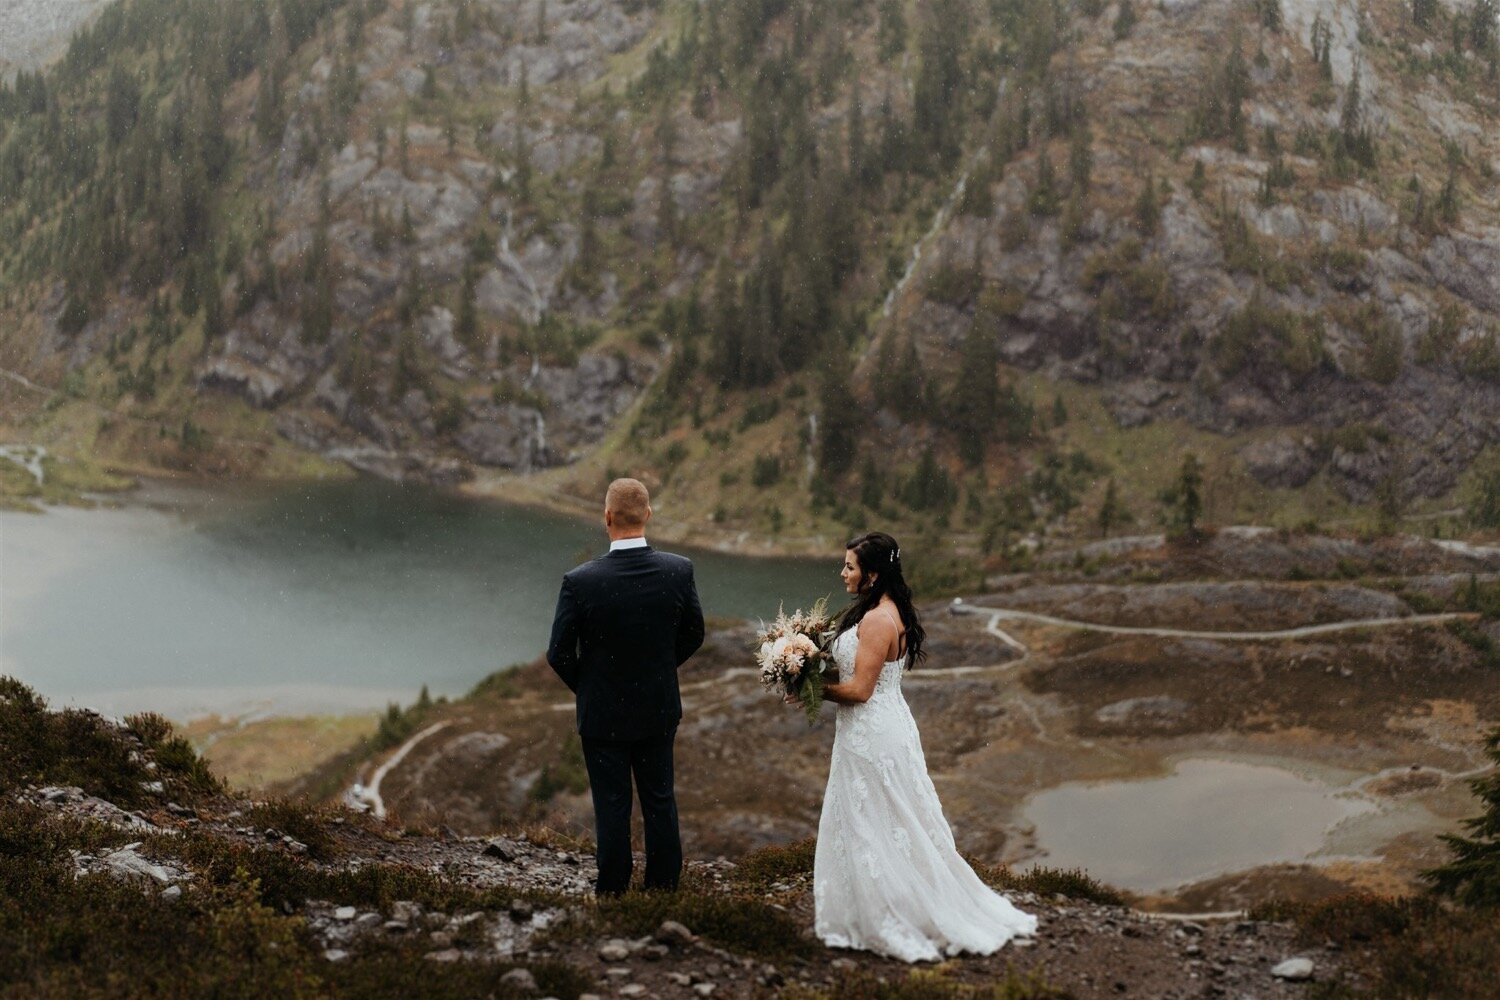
pixel 535 492
pixel 530 491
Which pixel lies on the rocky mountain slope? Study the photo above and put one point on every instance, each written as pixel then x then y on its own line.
pixel 967 261
pixel 34 32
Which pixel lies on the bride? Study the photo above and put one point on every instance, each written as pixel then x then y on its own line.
pixel 887 877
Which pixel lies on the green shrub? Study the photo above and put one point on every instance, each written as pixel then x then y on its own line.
pixel 766 471
pixel 954 286
pixel 1073 883
pixel 567 774
pixel 1476 640
pixel 75 747
pixel 298 819
pixel 99 937
pixel 758 870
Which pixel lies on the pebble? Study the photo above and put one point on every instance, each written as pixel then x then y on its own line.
pixel 705 989
pixel 344 913
pixel 680 978
pixel 442 939
pixel 1294 969
pixel 172 893
pixel 655 952
pixel 396 926
pixel 618 972
pixel 520 910
pixel 335 954
pixel 632 990
pixel 499 849
pixel 674 934
pixel 446 955
pixel 845 964
pixel 614 951
pixel 520 979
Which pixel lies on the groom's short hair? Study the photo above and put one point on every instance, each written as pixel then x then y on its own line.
pixel 628 500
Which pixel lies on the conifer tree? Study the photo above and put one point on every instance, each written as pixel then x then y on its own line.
pixel 973 407
pixel 726 329
pixel 891 34
pixel 1472 877
pixel 938 93
pixel 467 325
pixel 1109 510
pixel 317 303
pixel 1184 498
pixel 839 419
pixel 1080 160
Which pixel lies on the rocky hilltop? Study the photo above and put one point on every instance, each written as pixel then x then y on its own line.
pixel 131 869
pixel 697 242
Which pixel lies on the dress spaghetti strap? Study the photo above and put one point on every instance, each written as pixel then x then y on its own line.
pixel 900 633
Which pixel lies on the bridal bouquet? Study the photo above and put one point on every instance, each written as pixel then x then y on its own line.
pixel 791 652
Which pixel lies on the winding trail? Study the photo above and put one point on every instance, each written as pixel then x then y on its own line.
pixel 997 615
pixel 20 379
pixel 370 794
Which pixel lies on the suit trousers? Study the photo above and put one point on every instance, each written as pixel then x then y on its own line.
pixel 611 765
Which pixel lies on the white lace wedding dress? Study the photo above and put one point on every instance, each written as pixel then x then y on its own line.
pixel 887 877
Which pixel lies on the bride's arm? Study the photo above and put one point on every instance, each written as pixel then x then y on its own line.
pixel 875 635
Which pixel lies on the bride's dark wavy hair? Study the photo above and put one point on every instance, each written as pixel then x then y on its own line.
pixel 877 553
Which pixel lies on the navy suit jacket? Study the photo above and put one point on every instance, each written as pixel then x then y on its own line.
pixel 625 622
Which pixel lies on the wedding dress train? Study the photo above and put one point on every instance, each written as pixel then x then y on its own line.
pixel 887 877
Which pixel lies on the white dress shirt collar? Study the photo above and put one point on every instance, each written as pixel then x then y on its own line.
pixel 638 542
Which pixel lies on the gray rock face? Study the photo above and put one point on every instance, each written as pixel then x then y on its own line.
pixel 1468 265
pixel 1352 208
pixel 437 328
pixel 1132 402
pixel 1285 461
pixel 238 376
pixel 504 436
pixel 551 151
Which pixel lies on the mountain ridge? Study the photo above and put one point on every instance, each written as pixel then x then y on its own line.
pixel 446 251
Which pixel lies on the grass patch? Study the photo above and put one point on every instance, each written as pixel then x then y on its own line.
pixel 301 820
pixel 1481 643
pixel 285 880
pixel 1073 883
pixel 97 936
pixel 759 870
pixel 1415 947
pixel 75 747
pixel 736 921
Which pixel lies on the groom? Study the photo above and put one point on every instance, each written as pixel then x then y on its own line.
pixel 624 624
